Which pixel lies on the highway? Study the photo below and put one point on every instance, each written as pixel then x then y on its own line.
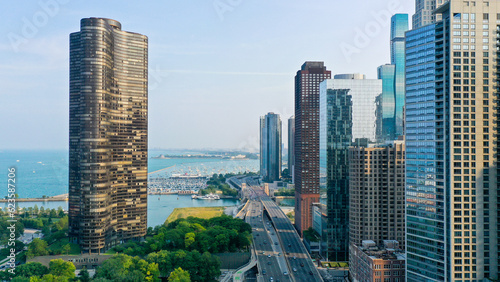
pixel 299 261
pixel 271 266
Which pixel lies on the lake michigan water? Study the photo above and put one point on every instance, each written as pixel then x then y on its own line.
pixel 40 173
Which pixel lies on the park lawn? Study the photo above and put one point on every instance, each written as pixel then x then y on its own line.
pixel 202 212
pixel 57 246
pixel 110 252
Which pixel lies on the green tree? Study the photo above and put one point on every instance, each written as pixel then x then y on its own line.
pixel 60 212
pixel 53 278
pixel 21 279
pixel 62 223
pixel 163 260
pixel 37 248
pixel 189 239
pixel 66 248
pixel 31 269
pixel 179 275
pixel 211 269
pixel 59 267
pixel 84 275
pixel 122 267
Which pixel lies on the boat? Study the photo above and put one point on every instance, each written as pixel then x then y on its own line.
pixel 206 197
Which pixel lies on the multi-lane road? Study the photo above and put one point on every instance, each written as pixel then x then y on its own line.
pixel 280 252
pixel 272 266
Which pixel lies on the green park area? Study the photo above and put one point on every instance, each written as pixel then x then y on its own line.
pixel 201 212
pixel 335 264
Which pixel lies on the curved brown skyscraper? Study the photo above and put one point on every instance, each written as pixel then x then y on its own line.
pixel 108 135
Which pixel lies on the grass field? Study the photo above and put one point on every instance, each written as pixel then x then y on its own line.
pixel 59 244
pixel 206 212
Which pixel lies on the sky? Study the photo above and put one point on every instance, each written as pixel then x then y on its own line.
pixel 215 66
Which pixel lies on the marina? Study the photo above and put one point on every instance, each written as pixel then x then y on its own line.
pixel 176 184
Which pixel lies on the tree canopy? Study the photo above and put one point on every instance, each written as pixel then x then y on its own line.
pixel 179 275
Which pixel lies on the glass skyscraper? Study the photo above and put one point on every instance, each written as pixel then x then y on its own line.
pixel 270 147
pixel 335 139
pixel 386 110
pixel 108 135
pixel 291 147
pixel 451 178
pixel 347 112
pixel 391 101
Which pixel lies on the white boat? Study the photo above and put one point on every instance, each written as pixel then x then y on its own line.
pixel 206 197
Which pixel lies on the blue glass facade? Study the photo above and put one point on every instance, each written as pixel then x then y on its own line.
pixel 450 137
pixel 335 138
pixel 392 100
pixel 386 114
pixel 270 147
pixel 399 25
pixel 425 169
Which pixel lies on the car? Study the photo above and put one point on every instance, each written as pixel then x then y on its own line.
pixel 263 272
pixel 294 269
pixel 269 262
pixel 310 273
pixel 279 254
pixel 258 234
pixel 294 257
pixel 271 279
pixel 263 253
pixel 289 245
pixel 302 264
pixel 285 273
pixel 268 256
pixel 276 243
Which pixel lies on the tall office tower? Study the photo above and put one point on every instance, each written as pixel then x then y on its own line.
pixel 451 178
pixel 386 104
pixel 376 193
pixel 291 147
pixel 270 147
pixel 347 113
pixel 391 102
pixel 424 12
pixel 108 135
pixel 335 139
pixel 306 169
pixel 364 94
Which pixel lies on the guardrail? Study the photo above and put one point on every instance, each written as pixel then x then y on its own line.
pixel 304 250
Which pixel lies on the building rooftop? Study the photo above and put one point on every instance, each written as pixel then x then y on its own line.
pixel 390 250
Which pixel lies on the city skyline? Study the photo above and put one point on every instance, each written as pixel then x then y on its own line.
pixel 247 58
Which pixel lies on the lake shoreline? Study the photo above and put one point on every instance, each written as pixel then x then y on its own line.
pixel 57 198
